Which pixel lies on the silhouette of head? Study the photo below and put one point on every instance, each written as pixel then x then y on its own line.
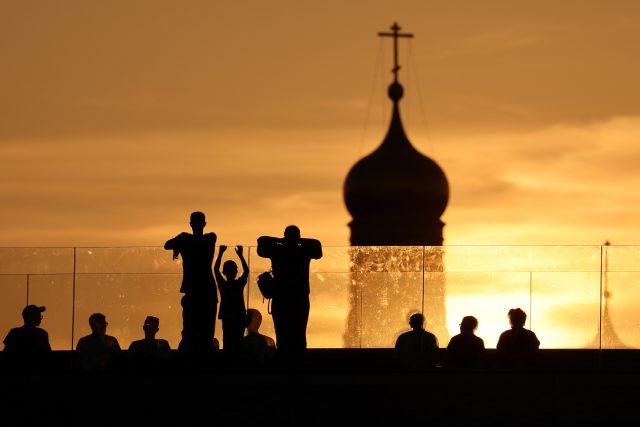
pixel 32 315
pixel 197 222
pixel 254 320
pixel 230 269
pixel 151 326
pixel 416 321
pixel 468 325
pixel 98 323
pixel 517 317
pixel 291 234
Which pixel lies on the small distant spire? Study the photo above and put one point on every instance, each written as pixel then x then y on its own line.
pixel 395 28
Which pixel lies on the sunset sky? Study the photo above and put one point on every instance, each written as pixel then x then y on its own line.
pixel 119 118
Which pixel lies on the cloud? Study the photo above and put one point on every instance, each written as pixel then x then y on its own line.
pixel 567 178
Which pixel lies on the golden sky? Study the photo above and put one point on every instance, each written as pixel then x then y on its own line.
pixel 119 118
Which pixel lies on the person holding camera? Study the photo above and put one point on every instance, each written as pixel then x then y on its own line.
pixel 290 258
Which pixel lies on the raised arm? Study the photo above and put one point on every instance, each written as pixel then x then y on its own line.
pixel 216 267
pixel 245 266
pixel 312 247
pixel 175 245
pixel 267 245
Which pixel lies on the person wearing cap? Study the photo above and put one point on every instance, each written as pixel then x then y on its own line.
pixel 150 352
pixel 98 351
pixel 28 345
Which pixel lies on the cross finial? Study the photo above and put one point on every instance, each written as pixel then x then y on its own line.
pixel 395 28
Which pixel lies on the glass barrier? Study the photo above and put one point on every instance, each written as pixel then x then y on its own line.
pixel 361 297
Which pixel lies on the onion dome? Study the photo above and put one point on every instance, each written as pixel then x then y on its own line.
pixel 396 194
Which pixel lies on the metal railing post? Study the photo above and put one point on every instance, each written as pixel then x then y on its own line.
pixel 73 297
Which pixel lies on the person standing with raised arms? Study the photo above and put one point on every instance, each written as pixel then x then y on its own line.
pixel 233 312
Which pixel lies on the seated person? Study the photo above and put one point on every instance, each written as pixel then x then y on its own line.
pixel 28 346
pixel 150 352
pixel 417 348
pixel 257 349
pixel 97 352
pixel 517 346
pixel 465 350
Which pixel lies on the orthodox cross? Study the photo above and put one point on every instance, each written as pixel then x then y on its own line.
pixel 395 34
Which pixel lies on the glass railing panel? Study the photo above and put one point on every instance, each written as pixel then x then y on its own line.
pixel 387 283
pixel 126 299
pixel 127 260
pixel 13 291
pixel 36 260
pixel 621 293
pixel 435 306
pixel 54 291
pixel 360 296
pixel 565 309
pixel 488 296
pixel 329 300
pixel 521 258
pixel 335 259
pixel 256 301
pixel 329 281
pixel 621 258
pixel 388 300
pixel 330 309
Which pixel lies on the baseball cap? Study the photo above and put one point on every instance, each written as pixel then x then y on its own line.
pixel 33 309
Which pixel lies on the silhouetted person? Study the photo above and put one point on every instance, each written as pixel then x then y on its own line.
pixel 290 258
pixel 257 349
pixel 200 300
pixel 417 348
pixel 98 352
pixel 232 310
pixel 466 350
pixel 28 345
pixel 517 346
pixel 150 352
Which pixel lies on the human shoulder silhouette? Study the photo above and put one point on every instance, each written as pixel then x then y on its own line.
pixel 517 346
pixel 28 346
pixel 98 351
pixel 257 349
pixel 416 349
pixel 149 352
pixel 465 350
